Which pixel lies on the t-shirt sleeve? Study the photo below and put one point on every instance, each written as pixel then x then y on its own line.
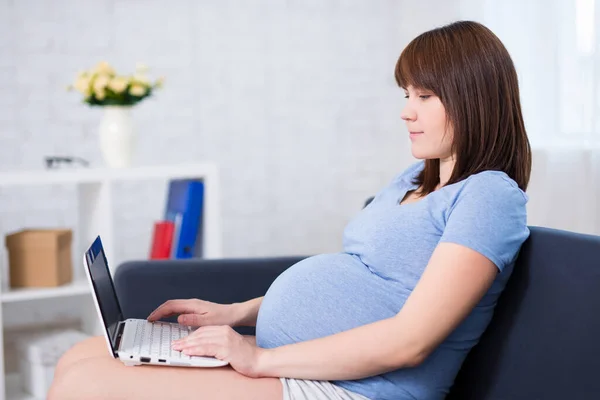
pixel 489 216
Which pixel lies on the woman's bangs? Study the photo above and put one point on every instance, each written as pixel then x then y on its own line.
pixel 416 66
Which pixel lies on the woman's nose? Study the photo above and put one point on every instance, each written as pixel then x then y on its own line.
pixel 408 114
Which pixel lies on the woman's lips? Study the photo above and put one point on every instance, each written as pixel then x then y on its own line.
pixel 415 134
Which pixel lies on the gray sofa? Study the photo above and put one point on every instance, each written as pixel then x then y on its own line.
pixel 543 342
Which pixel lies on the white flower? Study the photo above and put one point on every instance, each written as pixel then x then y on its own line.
pixel 100 94
pixel 141 79
pixel 100 82
pixel 118 84
pixel 104 68
pixel 137 90
pixel 82 84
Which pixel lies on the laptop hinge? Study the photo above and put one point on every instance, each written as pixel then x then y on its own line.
pixel 119 335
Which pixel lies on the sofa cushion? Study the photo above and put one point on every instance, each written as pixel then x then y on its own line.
pixel 544 339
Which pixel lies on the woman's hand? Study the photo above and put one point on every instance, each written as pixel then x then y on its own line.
pixel 223 343
pixel 194 312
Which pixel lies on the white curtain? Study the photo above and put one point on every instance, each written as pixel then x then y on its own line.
pixel 555 45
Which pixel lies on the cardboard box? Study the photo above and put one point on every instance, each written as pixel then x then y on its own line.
pixel 39 257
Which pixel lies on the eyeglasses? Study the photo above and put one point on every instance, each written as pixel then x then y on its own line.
pixel 56 162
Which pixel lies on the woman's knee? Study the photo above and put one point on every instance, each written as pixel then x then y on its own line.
pixel 76 383
pixel 92 347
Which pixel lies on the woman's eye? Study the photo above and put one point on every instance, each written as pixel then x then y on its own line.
pixel 422 97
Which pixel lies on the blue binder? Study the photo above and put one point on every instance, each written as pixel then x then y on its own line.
pixel 185 201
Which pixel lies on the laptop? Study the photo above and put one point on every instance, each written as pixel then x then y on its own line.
pixel 135 341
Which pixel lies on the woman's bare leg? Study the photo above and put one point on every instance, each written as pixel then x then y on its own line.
pixel 96 347
pixel 90 348
pixel 88 372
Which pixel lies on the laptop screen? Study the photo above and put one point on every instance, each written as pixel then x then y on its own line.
pixel 104 289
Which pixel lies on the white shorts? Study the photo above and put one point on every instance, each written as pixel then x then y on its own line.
pixel 300 389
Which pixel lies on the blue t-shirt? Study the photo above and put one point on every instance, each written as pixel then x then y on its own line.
pixel 386 248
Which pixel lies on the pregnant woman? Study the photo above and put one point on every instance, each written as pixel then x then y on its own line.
pixel 395 313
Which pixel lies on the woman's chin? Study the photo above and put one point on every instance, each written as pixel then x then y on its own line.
pixel 419 154
pixel 422 154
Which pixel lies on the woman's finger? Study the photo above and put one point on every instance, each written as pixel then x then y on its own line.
pixel 207 328
pixel 191 319
pixel 169 308
pixel 198 342
pixel 199 335
pixel 204 349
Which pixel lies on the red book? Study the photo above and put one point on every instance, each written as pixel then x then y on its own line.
pixel 162 240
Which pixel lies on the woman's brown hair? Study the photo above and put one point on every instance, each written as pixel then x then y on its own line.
pixel 470 70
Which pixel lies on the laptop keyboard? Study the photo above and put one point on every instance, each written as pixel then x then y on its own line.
pixel 155 338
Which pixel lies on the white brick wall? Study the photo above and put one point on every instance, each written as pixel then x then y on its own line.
pixel 294 100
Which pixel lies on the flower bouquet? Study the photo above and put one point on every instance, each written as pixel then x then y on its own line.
pixel 102 86
pixel 117 94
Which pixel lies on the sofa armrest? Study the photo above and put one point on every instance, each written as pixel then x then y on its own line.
pixel 144 285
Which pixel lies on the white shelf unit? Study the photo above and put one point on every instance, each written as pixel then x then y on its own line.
pixel 95 217
pixel 74 288
pixel 13 389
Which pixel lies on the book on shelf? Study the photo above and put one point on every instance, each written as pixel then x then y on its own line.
pixel 184 215
pixel 162 240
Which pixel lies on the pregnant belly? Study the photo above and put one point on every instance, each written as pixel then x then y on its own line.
pixel 324 295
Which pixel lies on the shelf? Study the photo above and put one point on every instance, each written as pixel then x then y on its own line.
pixel 76 288
pixel 95 197
pixel 14 391
pixel 95 191
pixel 91 175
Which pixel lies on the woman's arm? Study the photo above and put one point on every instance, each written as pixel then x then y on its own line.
pixel 247 312
pixel 454 281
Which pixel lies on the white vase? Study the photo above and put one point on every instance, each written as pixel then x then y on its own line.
pixel 117 136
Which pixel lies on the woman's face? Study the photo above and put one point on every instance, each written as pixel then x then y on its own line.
pixel 425 118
